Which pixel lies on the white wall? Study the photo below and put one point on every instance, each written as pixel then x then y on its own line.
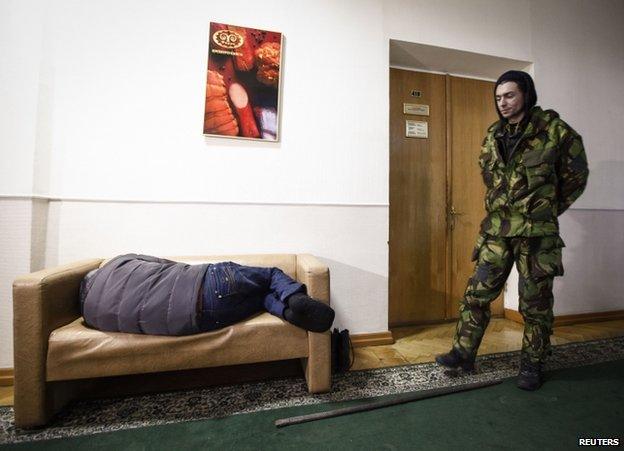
pixel 21 42
pixel 20 56
pixel 129 84
pixel 15 246
pixel 592 260
pixel 119 95
pixel 579 62
pixel 104 101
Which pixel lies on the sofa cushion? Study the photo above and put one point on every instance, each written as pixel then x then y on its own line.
pixel 76 351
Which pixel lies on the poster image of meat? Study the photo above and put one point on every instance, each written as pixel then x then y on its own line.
pixel 243 83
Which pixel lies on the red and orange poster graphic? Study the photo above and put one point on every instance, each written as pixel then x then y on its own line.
pixel 242 85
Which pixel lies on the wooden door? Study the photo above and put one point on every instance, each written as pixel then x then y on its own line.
pixel 472 111
pixel 418 228
pixel 430 178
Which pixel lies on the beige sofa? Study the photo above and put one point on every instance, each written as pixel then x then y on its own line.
pixel 55 353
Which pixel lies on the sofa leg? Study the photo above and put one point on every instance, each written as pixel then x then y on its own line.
pixel 31 405
pixel 35 408
pixel 317 366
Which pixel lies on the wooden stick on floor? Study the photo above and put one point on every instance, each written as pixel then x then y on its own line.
pixel 380 404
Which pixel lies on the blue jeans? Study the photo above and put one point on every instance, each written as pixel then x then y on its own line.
pixel 233 292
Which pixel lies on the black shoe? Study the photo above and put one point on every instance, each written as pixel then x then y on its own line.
pixel 454 360
pixel 530 376
pixel 308 313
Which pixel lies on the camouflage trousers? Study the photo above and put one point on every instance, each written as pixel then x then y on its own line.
pixel 538 260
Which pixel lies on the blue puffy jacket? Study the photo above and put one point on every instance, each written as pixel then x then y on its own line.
pixel 143 294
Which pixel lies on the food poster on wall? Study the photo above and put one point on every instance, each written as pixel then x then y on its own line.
pixel 242 85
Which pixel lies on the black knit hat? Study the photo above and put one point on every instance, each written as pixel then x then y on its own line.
pixel 524 82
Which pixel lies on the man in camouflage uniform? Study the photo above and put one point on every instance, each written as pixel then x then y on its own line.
pixel 534 167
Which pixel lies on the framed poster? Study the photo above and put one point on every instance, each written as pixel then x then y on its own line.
pixel 243 83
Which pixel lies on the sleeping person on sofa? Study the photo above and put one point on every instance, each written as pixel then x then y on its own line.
pixel 148 295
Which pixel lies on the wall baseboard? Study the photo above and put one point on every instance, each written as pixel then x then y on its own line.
pixel 373 339
pixel 566 320
pixel 6 377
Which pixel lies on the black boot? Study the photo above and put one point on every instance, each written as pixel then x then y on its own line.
pixel 454 360
pixel 308 313
pixel 530 376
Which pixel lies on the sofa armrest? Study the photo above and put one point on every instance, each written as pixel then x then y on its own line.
pixel 317 367
pixel 42 301
pixel 315 275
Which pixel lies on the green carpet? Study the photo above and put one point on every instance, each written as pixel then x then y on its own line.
pixel 583 402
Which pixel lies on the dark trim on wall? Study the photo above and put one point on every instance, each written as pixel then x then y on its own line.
pixel 372 339
pixel 566 320
pixel 6 377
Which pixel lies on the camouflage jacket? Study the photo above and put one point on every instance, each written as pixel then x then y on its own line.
pixel 546 173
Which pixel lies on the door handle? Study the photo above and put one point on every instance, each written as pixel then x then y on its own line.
pixel 452 214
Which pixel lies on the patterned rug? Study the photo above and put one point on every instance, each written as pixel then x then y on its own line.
pixel 106 415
